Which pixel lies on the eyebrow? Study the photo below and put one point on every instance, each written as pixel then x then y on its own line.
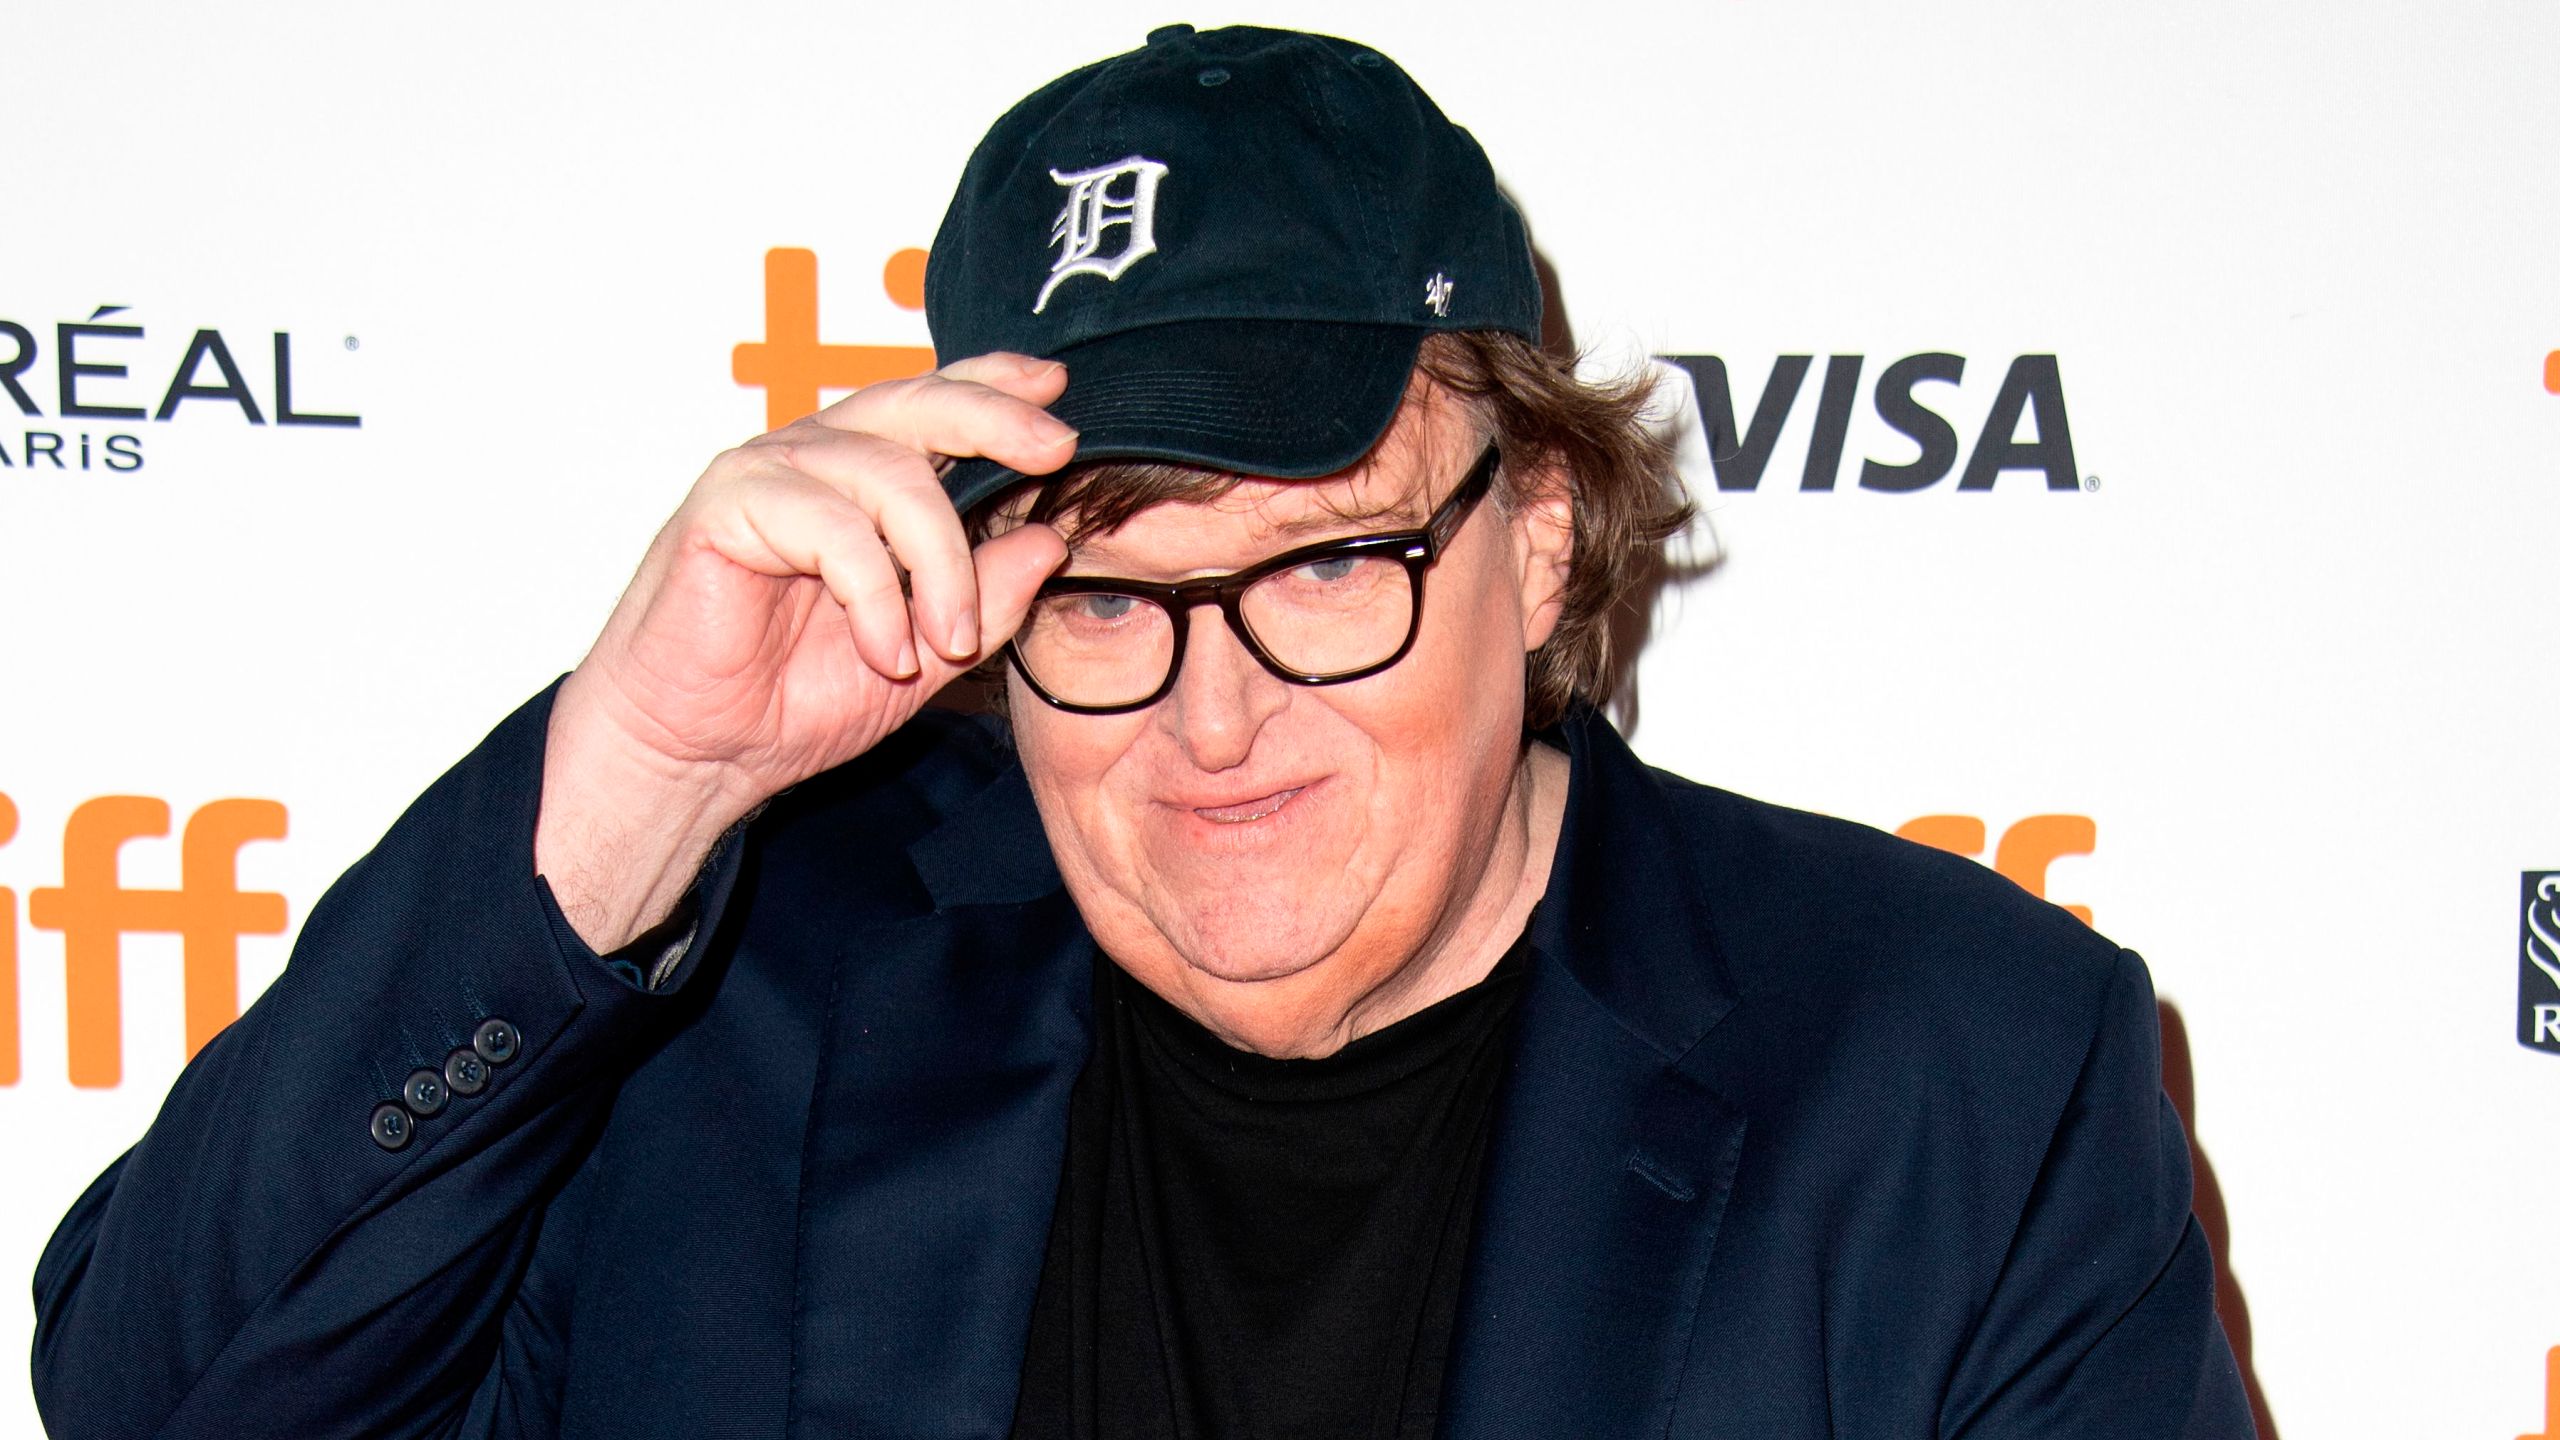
pixel 1322 519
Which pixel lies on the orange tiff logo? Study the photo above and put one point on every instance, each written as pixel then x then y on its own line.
pixel 790 362
pixel 2550 1380
pixel 2026 851
pixel 93 911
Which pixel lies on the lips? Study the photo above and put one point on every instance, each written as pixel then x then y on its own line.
pixel 1244 812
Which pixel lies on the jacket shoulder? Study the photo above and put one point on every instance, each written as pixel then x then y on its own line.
pixel 1830 911
pixel 1909 1026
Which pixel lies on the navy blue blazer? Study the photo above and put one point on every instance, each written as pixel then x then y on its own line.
pixel 1808 1131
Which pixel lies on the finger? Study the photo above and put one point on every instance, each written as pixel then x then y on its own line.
pixel 795 526
pixel 1023 377
pixel 959 418
pixel 924 533
pixel 898 489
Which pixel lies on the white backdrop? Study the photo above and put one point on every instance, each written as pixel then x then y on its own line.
pixel 2288 647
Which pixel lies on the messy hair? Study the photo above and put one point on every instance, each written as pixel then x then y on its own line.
pixel 1597 439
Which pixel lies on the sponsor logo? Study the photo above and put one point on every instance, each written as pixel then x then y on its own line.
pixel 2551 372
pixel 109 369
pixel 2538 963
pixel 1092 211
pixel 93 911
pixel 2027 849
pixel 2032 387
pixel 791 365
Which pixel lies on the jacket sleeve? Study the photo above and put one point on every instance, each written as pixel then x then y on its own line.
pixel 2102 1322
pixel 281 1255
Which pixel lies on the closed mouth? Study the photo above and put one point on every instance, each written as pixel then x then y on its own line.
pixel 1249 810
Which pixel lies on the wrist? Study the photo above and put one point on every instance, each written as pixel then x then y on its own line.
pixel 623 830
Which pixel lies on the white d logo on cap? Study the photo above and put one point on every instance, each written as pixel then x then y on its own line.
pixel 1091 209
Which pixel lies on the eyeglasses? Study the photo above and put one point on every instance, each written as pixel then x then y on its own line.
pixel 1321 614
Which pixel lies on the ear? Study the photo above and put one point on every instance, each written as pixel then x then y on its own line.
pixel 1542 539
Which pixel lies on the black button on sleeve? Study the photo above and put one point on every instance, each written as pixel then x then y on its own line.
pixel 423 1093
pixel 496 1040
pixel 392 1127
pixel 465 1073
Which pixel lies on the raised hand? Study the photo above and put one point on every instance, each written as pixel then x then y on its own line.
pixel 767 637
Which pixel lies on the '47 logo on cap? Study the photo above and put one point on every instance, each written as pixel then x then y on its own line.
pixel 1091 209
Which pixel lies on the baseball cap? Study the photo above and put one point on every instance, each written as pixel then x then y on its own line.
pixel 1235 240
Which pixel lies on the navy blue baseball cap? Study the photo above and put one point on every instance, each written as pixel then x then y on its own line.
pixel 1235 240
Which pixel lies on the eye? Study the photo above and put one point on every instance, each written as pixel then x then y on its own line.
pixel 1338 567
pixel 1106 607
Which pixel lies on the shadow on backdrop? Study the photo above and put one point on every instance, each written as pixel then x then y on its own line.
pixel 2178 1077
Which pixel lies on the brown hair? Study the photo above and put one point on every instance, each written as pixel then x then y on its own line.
pixel 1597 438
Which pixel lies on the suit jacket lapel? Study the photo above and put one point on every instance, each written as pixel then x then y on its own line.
pixel 1609 1164
pixel 937 1136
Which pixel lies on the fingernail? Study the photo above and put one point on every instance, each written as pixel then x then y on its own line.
pixel 906 658
pixel 964 635
pixel 1067 436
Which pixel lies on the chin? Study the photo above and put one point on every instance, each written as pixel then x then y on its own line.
pixel 1250 939
pixel 1252 903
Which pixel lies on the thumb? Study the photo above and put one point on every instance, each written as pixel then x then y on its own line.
pixel 1010 569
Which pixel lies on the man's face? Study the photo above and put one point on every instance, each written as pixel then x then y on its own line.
pixel 1273 857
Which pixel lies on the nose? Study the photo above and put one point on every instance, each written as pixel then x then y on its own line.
pixel 1223 696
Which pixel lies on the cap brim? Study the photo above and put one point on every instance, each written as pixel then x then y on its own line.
pixel 1287 399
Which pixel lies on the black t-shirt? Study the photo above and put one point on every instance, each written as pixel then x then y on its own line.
pixel 1257 1249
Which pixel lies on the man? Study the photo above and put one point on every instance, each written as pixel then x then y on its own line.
pixel 1306 1019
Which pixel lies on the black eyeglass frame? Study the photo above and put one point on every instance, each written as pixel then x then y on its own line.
pixel 1418 549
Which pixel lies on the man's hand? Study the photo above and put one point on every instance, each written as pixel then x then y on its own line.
pixel 767 637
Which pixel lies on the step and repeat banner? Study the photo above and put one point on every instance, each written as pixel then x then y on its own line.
pixel 2127 441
